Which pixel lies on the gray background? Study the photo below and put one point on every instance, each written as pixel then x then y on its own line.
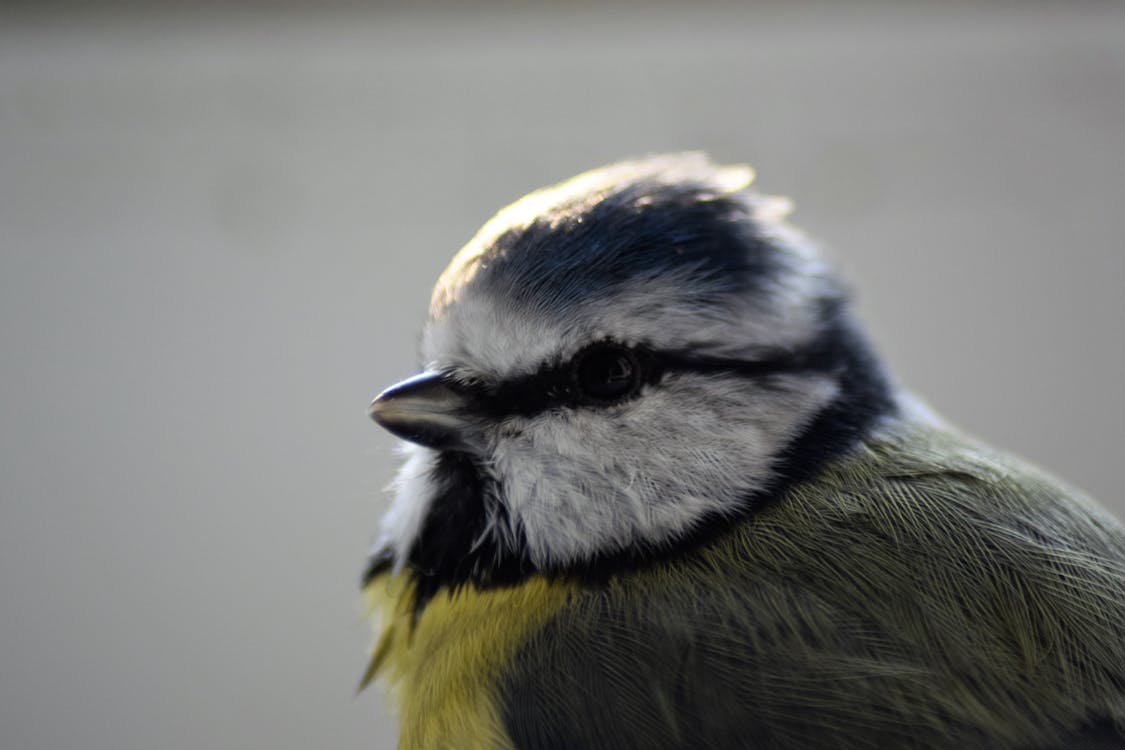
pixel 219 228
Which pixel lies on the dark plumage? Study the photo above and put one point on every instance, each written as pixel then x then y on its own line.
pixel 606 234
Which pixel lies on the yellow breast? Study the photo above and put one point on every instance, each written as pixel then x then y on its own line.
pixel 444 669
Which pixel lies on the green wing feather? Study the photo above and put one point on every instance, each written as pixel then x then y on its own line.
pixel 924 592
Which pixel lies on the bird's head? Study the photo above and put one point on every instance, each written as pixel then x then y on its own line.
pixel 613 364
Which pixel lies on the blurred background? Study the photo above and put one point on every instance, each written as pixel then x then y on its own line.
pixel 219 224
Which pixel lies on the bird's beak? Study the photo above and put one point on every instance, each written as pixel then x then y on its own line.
pixel 424 409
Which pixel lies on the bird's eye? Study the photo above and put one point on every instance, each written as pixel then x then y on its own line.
pixel 607 372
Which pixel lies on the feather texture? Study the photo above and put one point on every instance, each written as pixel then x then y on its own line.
pixel 733 556
pixel 924 591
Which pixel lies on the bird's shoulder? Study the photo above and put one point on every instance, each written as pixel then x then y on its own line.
pixel 922 591
pixel 441 662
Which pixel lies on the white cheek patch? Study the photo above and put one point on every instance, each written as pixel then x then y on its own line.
pixel 573 483
pixel 414 494
pixel 583 482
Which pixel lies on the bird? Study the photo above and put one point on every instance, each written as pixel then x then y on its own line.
pixel 660 491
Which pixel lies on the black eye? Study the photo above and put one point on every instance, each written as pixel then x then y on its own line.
pixel 607 372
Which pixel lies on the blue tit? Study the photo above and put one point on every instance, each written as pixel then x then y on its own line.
pixel 660 492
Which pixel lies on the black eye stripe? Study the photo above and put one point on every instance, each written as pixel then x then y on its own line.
pixel 554 387
pixel 807 360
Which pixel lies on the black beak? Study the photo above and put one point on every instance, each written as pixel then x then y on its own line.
pixel 426 410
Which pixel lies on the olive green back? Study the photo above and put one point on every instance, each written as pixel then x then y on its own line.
pixel 925 592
